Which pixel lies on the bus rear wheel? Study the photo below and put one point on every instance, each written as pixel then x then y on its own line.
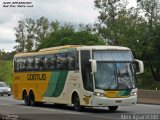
pixel 113 108
pixel 25 97
pixel 26 100
pixel 32 99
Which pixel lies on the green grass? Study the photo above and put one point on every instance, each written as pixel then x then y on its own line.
pixel 6 71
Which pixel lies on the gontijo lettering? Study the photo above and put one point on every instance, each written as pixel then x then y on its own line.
pixel 36 76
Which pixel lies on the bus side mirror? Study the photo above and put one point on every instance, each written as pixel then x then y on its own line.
pixel 139 66
pixel 93 65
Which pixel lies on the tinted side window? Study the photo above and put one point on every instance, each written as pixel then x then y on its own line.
pixel 75 54
pixel 86 70
pixel 50 62
pixel 72 60
pixel 59 61
pixel 26 64
pixel 16 65
pixel 31 63
pixel 39 63
pixel 20 64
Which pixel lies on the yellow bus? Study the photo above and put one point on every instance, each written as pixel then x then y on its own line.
pixel 78 75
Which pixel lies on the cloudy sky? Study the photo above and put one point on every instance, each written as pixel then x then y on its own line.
pixel 73 11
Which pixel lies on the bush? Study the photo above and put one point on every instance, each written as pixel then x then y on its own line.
pixel 146 81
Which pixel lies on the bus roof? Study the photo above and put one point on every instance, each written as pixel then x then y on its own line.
pixel 67 47
pixel 59 48
pixel 82 47
pixel 103 47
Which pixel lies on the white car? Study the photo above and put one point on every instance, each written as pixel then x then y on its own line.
pixel 4 89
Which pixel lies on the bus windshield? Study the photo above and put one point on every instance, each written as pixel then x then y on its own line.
pixel 114 70
pixel 114 76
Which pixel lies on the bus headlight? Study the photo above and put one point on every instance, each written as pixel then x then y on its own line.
pixel 133 93
pixel 99 94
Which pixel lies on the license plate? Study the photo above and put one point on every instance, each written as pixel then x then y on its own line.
pixel 118 101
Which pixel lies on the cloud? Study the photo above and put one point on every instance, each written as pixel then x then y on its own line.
pixel 7 41
pixel 72 11
pixel 7 28
pixel 8 47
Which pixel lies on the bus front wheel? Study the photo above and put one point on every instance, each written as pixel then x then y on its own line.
pixel 113 108
pixel 76 103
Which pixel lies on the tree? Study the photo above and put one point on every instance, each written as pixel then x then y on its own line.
pixel 149 37
pixel 20 36
pixel 110 14
pixel 25 35
pixel 42 31
pixel 54 26
pixel 67 35
pixel 30 36
pixel 33 35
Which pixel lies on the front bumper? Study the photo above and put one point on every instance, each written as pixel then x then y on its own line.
pixel 104 101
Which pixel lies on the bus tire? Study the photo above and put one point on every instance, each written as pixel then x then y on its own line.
pixel 113 108
pixel 25 97
pixel 26 100
pixel 76 103
pixel 32 99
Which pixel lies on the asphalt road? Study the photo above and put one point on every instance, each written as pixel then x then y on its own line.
pixel 10 108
